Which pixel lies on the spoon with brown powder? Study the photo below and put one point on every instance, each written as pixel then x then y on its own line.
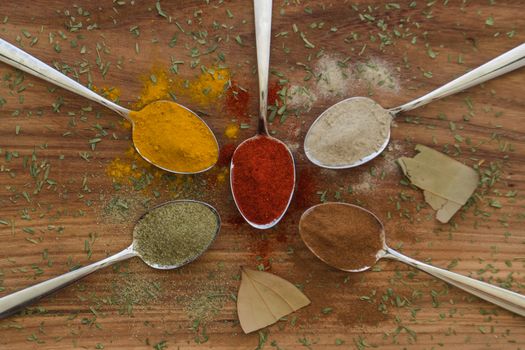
pixel 356 130
pixel 351 238
pixel 167 237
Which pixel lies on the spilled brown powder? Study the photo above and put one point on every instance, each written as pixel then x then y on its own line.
pixel 342 235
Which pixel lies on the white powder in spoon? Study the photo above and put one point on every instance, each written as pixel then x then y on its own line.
pixel 348 132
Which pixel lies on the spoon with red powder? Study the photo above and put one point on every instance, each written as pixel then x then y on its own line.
pixel 351 238
pixel 262 173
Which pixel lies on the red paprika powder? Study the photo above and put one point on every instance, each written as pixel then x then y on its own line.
pixel 273 94
pixel 237 100
pixel 262 178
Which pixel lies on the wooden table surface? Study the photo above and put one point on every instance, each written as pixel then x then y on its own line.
pixel 55 188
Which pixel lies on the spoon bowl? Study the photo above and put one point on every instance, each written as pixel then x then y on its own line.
pixel 192 258
pixel 20 59
pixel 11 303
pixel 323 236
pixel 363 157
pixel 337 238
pixel 500 65
pixel 238 150
pixel 160 161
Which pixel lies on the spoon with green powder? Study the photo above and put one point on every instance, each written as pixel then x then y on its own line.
pixel 167 237
pixel 350 238
pixel 173 150
pixel 356 130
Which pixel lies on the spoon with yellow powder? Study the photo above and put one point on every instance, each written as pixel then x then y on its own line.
pixel 165 134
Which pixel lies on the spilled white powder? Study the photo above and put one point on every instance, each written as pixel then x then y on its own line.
pixel 376 74
pixel 300 97
pixel 348 132
pixel 333 77
pixel 385 165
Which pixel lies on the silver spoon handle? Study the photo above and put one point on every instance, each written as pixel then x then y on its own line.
pixel 13 302
pixel 17 58
pixel 263 31
pixel 502 297
pixel 500 65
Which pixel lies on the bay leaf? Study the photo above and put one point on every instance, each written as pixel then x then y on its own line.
pixel 446 183
pixel 264 298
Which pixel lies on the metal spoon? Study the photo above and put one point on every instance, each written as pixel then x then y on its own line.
pixel 20 59
pixel 500 65
pixel 502 297
pixel 11 303
pixel 263 31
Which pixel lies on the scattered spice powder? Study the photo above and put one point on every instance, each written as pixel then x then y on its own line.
pixel 175 233
pixel 131 166
pixel 333 78
pixel 348 132
pixel 156 86
pixel 237 100
pixel 222 175
pixel 342 235
pixel 131 169
pixel 232 131
pixel 120 170
pixel 121 208
pixel 376 74
pixel 111 93
pixel 307 184
pixel 174 138
pixel 273 93
pixel 263 177
pixel 133 289
pixel 209 86
pixel 300 98
pixel 225 154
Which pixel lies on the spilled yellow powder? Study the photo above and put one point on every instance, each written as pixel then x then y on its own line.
pixel 156 86
pixel 223 174
pixel 131 166
pixel 111 93
pixel 232 131
pixel 122 169
pixel 209 86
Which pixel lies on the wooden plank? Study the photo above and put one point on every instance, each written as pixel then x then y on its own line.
pixel 194 307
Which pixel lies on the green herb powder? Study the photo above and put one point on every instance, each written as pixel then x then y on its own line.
pixel 175 233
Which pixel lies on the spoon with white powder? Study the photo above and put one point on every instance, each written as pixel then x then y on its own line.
pixel 356 130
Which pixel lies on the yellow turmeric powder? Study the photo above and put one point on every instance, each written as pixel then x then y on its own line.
pixel 173 138
pixel 207 88
pixel 130 167
pixel 156 86
pixel 232 131
pixel 111 93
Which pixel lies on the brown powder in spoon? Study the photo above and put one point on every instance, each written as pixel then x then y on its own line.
pixel 342 235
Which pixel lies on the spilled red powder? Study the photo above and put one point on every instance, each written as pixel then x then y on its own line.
pixel 237 100
pixel 225 155
pixel 306 188
pixel 262 251
pixel 263 178
pixel 273 93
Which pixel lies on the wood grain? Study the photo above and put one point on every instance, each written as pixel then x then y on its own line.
pixel 484 242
